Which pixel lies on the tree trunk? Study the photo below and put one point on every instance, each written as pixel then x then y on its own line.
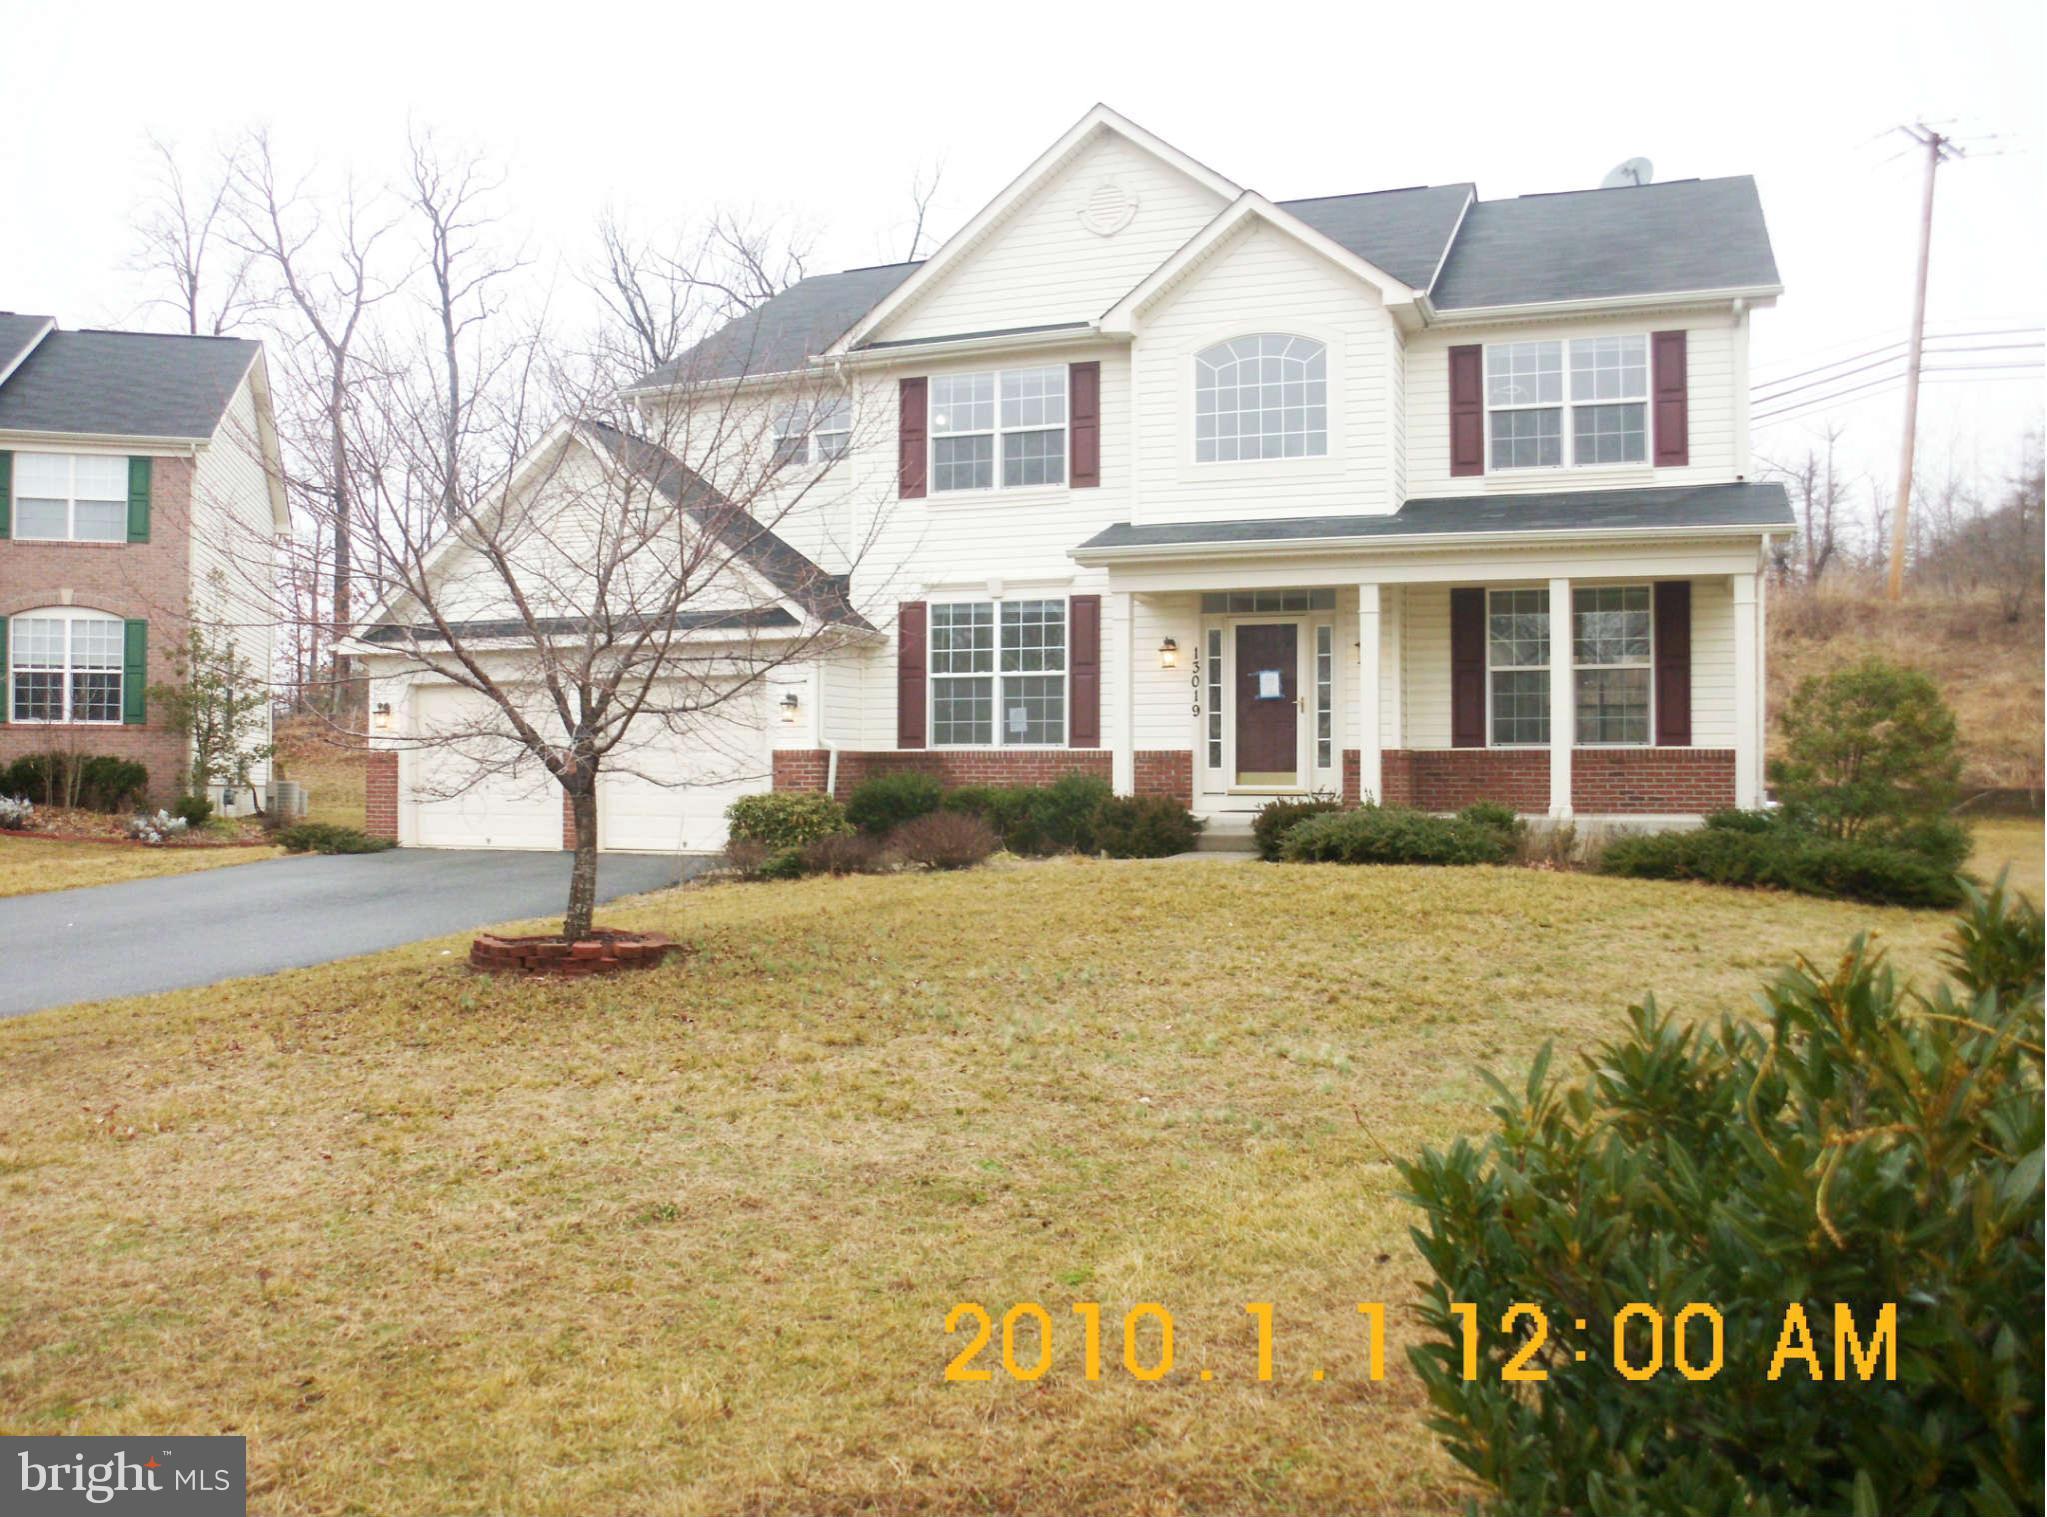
pixel 583 877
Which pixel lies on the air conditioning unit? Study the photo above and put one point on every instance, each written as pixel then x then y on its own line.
pixel 285 799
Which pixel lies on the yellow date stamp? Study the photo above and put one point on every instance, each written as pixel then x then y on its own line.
pixel 1639 1343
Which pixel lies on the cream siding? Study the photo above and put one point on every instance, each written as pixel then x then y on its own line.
pixel 1261 280
pixel 1718 406
pixel 233 537
pixel 1041 266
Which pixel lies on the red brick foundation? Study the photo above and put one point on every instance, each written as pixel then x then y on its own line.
pixel 380 793
pixel 1449 779
pixel 1160 771
pixel 1165 771
pixel 1682 781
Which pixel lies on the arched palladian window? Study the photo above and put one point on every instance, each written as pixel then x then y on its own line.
pixel 64 665
pixel 1263 396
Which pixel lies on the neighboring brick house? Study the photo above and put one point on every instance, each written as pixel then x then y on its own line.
pixel 139 483
pixel 1405 494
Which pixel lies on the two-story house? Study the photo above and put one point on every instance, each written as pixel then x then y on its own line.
pixel 139 487
pixel 1408 494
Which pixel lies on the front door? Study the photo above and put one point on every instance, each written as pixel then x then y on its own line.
pixel 1268 705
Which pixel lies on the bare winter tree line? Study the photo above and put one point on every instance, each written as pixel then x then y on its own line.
pixel 626 573
pixel 1975 532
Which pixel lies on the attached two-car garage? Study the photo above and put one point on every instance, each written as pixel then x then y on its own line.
pixel 668 794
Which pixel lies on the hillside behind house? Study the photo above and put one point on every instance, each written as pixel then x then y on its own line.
pixel 1988 668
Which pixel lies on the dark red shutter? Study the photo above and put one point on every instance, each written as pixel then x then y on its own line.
pixel 911 452
pixel 1674 662
pixel 1084 659
pixel 910 663
pixel 1084 413
pixel 1467 410
pixel 1672 395
pixel 1467 668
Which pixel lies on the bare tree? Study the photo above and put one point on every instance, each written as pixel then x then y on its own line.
pixel 182 231
pixel 450 201
pixel 627 580
pixel 328 273
pixel 923 190
pixel 1818 496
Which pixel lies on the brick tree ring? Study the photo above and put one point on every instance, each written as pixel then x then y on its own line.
pixel 605 951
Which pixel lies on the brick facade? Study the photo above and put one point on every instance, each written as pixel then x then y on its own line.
pixel 1160 771
pixel 1165 771
pixel 1667 781
pixel 380 793
pixel 150 581
pixel 1449 779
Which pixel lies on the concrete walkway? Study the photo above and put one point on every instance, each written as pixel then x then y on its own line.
pixel 247 919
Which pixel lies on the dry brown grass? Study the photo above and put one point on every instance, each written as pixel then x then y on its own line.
pixel 331 772
pixel 31 865
pixel 1988 669
pixel 684 1242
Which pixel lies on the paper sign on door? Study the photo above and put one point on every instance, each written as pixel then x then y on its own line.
pixel 1268 685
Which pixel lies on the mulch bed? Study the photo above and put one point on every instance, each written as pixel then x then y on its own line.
pixel 58 824
pixel 125 842
pixel 605 951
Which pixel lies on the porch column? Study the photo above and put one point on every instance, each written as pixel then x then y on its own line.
pixel 1370 783
pixel 1748 706
pixel 1123 757
pixel 1563 699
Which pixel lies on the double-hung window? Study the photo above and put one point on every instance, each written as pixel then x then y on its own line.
pixel 1610 637
pixel 1576 403
pixel 64 666
pixel 1611 659
pixel 71 497
pixel 1008 425
pixel 825 426
pixel 1517 653
pixel 998 673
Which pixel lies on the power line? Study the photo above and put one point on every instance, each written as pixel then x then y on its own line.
pixel 1935 333
pixel 1781 390
pixel 1889 347
pixel 1890 382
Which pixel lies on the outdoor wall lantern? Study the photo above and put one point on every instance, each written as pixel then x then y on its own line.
pixel 1169 654
pixel 790 706
pixel 382 713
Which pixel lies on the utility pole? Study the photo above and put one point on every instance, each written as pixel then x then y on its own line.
pixel 1937 148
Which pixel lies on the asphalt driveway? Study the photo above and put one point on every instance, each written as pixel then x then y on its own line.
pixel 219 924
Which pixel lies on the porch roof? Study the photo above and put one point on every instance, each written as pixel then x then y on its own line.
pixel 1743 507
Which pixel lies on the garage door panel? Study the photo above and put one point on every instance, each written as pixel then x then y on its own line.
pixel 668 791
pixel 477 791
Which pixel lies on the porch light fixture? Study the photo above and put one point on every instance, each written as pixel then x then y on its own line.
pixel 790 706
pixel 1169 654
pixel 382 712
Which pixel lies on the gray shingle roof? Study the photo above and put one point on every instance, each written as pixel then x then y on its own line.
pixel 1401 231
pixel 776 337
pixel 125 384
pixel 1688 234
pixel 792 572
pixel 1760 504
pixel 17 333
pixel 570 626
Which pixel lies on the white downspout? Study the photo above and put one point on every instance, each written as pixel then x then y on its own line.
pixel 831 748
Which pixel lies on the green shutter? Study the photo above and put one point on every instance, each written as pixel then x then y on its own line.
pixel 134 668
pixel 138 502
pixel 6 674
pixel 6 494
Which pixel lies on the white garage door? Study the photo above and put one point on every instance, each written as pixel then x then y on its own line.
pixel 668 794
pixel 477 794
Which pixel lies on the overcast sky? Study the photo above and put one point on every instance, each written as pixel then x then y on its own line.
pixel 825 113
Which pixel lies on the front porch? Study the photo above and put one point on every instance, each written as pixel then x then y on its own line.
pixel 1647 709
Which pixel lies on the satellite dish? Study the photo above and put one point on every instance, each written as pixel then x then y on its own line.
pixel 1634 171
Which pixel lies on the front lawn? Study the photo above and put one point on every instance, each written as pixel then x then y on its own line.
pixel 29 864
pixel 684 1242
